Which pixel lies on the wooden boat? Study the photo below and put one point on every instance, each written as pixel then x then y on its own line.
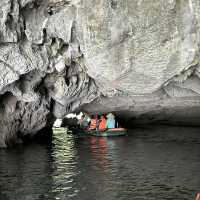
pixel 107 133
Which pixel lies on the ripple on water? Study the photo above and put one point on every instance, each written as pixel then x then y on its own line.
pixel 152 163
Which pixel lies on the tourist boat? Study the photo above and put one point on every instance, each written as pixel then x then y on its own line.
pixel 107 133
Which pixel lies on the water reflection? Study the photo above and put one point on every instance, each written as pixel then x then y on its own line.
pixel 99 152
pixel 65 158
pixel 153 163
pixel 22 171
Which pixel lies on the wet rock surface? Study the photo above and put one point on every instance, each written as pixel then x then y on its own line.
pixel 137 58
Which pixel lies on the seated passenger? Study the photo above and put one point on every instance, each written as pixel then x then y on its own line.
pixel 102 124
pixel 84 122
pixel 110 123
pixel 93 123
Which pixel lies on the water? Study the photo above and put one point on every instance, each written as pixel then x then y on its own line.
pixel 151 163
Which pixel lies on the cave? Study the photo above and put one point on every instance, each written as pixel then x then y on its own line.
pixel 59 57
pixel 137 59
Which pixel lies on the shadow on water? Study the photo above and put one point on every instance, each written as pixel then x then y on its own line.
pixel 151 163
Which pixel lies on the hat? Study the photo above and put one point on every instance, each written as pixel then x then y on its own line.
pixel 110 115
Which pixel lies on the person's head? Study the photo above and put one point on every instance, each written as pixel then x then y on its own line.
pixel 102 117
pixel 86 114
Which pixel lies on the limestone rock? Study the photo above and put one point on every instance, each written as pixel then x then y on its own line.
pixel 144 42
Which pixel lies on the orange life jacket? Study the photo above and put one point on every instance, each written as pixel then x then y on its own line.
pixel 93 124
pixel 102 125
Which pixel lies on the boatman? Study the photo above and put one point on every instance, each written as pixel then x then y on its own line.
pixel 110 123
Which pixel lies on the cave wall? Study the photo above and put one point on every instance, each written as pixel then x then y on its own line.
pixel 144 56
pixel 134 57
pixel 42 69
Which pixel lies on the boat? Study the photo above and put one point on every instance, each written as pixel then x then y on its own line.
pixel 107 133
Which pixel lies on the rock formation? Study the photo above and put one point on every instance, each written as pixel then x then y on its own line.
pixel 139 58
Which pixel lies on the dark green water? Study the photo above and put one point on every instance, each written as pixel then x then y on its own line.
pixel 150 164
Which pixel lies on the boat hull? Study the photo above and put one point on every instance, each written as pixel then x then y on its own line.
pixel 107 133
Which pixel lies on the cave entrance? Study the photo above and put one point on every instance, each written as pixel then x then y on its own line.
pixel 70 120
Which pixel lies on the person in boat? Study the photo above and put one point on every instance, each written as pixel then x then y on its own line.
pixel 80 121
pixel 84 121
pixel 87 118
pixel 102 123
pixel 93 123
pixel 110 123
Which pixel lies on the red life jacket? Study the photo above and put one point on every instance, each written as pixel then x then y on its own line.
pixel 102 125
pixel 198 196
